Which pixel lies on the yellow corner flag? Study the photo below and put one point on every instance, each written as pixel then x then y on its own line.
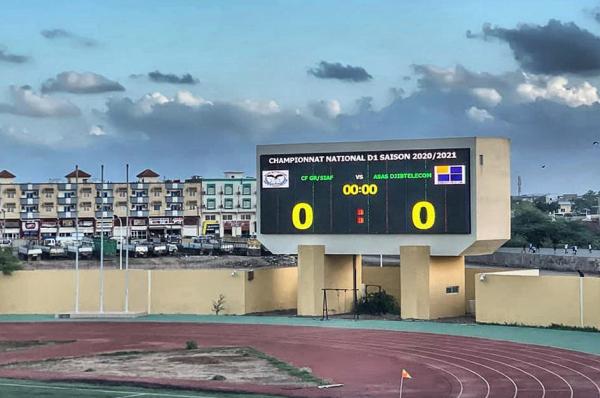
pixel 405 374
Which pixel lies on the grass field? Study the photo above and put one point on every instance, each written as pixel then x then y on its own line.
pixel 10 388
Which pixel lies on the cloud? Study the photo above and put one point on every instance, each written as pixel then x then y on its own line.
pixel 478 115
pixel 489 96
pixel 61 34
pixel 326 109
pixel 556 89
pixel 159 77
pixel 347 73
pixel 159 115
pixel 28 103
pixel 97 130
pixel 81 83
pixel 5 56
pixel 554 48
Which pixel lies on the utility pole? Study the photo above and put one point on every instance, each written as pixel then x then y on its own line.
pixel 519 182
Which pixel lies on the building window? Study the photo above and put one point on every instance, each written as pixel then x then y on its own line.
pixel 192 205
pixel 228 189
pixel 210 217
pixel 122 193
pixel 10 194
pixel 192 191
pixel 228 203
pixel 246 204
pixel 48 194
pixel 246 217
pixel 87 206
pixel 210 189
pixel 156 206
pixel 157 192
pixel 48 209
pixel 227 217
pixel 452 290
pixel 246 189
pixel 210 204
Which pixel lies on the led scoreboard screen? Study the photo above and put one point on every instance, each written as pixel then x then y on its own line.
pixel 372 192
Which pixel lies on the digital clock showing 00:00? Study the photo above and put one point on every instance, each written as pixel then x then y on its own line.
pixel 379 192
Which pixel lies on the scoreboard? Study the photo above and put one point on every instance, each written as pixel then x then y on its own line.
pixel 377 192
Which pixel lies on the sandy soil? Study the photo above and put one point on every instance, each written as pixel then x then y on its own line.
pixel 235 364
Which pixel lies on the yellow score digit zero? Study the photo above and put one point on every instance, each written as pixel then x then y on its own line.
pixel 308 216
pixel 429 215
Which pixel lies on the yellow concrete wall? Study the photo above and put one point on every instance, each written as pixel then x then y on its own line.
pixel 338 275
pixel 271 289
pixel 193 291
pixel 53 291
pixel 414 279
pixel 445 272
pixel 536 300
pixel 470 280
pixel 387 277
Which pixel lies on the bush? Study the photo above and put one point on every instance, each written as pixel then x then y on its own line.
pixel 378 303
pixel 219 304
pixel 191 345
pixel 8 262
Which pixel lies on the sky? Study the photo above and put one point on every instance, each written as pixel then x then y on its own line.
pixel 191 87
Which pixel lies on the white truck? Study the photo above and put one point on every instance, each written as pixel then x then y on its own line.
pixel 29 252
pixel 85 250
pixel 51 249
pixel 135 249
pixel 158 249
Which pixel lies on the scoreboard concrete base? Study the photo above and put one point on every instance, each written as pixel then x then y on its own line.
pixel 318 271
pixel 431 287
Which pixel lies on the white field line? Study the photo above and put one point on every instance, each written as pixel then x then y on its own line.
pixel 102 391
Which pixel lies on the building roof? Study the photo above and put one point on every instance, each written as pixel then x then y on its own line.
pixel 78 174
pixel 147 173
pixel 6 174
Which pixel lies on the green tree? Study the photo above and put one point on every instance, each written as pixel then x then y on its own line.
pixel 541 204
pixel 8 262
pixel 586 201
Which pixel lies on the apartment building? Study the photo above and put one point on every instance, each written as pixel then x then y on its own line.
pixel 229 204
pixel 155 208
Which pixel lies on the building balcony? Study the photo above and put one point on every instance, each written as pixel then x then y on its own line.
pixel 30 201
pixel 29 215
pixel 107 186
pixel 139 199
pixel 67 201
pixel 173 185
pixel 174 213
pixel 29 187
pixel 67 214
pixel 174 199
pixel 139 185
pixel 139 213
pixel 104 214
pixel 108 200
pixel 66 187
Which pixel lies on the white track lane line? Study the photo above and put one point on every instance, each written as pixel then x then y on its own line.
pixel 522 361
pixel 460 392
pixel 101 391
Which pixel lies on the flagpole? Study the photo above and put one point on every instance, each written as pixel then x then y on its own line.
pixel 401 385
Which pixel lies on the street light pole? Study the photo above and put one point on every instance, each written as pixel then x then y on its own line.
pixel 76 238
pixel 121 241
pixel 102 243
pixel 127 242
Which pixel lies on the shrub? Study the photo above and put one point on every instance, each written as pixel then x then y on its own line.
pixel 378 303
pixel 8 262
pixel 191 345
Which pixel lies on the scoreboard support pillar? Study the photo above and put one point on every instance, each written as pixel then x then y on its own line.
pixel 431 287
pixel 318 271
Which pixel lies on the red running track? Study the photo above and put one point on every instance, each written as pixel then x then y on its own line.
pixel 367 362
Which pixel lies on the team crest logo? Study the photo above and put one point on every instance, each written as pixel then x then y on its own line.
pixel 276 179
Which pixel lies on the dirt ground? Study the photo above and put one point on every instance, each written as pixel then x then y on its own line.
pixel 231 364
pixel 174 262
